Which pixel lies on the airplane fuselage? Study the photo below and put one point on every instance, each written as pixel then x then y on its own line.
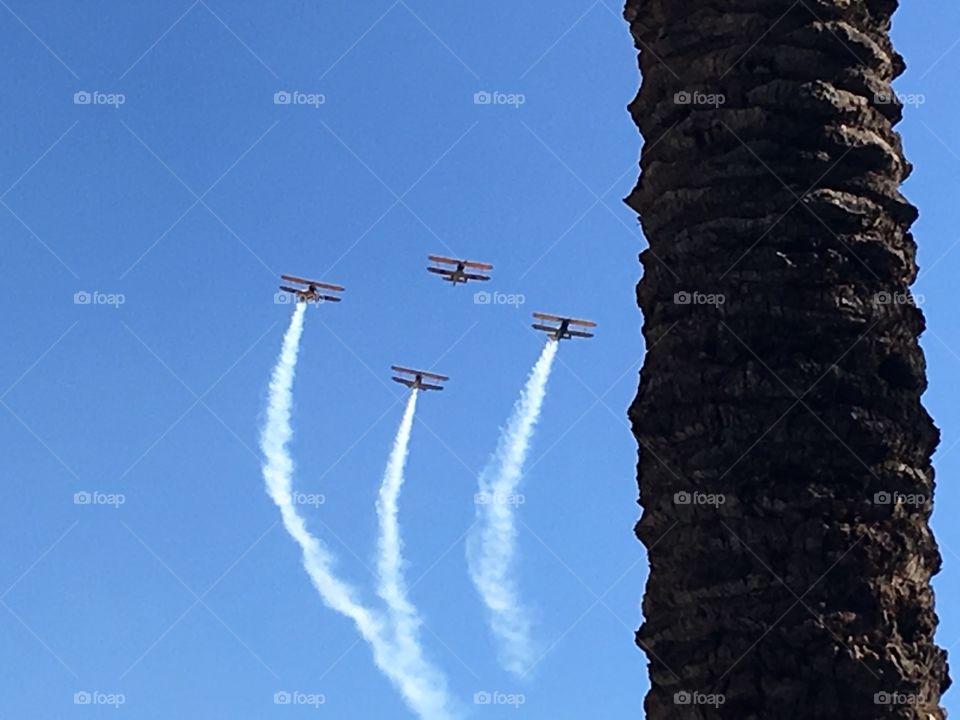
pixel 459 275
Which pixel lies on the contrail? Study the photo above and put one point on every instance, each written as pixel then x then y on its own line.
pixel 422 690
pixel 491 549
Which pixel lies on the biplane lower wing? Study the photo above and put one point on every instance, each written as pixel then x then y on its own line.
pixel 441 271
pixel 414 385
pixel 577 333
pixel 474 276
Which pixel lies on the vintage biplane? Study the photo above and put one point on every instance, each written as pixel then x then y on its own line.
pixel 558 327
pixel 314 290
pixel 458 273
pixel 415 379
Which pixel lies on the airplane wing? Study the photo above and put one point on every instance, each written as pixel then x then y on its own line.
pixel 471 276
pixel 294 278
pixel 288 289
pixel 441 271
pixel 315 283
pixel 329 298
pixel 424 373
pixel 442 259
pixel 582 323
pixel 544 328
pixel 477 265
pixel 577 333
pixel 544 316
pixel 404 381
pixel 424 386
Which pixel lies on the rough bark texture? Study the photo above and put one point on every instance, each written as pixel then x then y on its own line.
pixel 787 380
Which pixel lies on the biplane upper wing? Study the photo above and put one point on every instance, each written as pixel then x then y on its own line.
pixel 442 259
pixel 570 321
pixel 315 283
pixel 424 373
pixel 477 265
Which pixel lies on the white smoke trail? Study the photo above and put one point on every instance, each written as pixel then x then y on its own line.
pixel 491 548
pixel 424 693
pixel 391 587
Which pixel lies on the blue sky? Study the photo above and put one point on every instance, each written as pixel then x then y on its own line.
pixel 189 198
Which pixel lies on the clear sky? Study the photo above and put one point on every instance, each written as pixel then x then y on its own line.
pixel 181 190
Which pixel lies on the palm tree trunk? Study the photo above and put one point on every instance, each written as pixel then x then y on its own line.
pixel 785 457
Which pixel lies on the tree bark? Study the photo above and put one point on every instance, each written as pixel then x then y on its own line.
pixel 785 456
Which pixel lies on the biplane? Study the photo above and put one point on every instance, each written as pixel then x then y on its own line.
pixel 314 290
pixel 460 274
pixel 559 327
pixel 415 379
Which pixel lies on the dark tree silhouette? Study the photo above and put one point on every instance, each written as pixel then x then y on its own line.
pixel 785 457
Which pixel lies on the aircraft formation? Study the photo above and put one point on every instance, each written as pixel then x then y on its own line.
pixel 454 271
